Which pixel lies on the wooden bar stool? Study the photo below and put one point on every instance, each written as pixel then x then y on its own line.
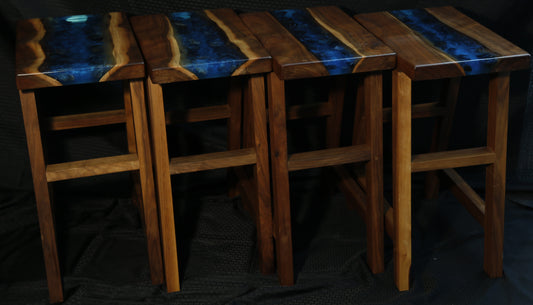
pixel 442 43
pixel 84 49
pixel 310 43
pixel 188 46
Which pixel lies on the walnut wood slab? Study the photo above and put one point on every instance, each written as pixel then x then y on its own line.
pixel 442 42
pixel 185 46
pixel 75 50
pixel 318 41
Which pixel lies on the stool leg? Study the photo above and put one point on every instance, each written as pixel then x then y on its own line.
pixel 334 121
pixel 146 181
pixel 132 148
pixel 42 196
pixel 495 180
pixel 441 131
pixel 401 177
pixel 164 189
pixel 234 128
pixel 359 126
pixel 280 178
pixel 256 90
pixel 374 171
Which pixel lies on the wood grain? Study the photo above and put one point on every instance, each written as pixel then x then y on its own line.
pixel 146 179
pixel 424 56
pixel 280 178
pixel 373 94
pixel 45 57
pixel 216 160
pixel 334 120
pixel 164 188
pixel 234 106
pixel 170 57
pixel 256 92
pixel 452 159
pixel 83 120
pixel 91 167
pixel 328 157
pixel 42 196
pixel 495 174
pixel 401 177
pixel 301 57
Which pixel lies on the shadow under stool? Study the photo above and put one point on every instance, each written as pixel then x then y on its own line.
pixel 192 46
pixel 443 43
pixel 312 43
pixel 85 49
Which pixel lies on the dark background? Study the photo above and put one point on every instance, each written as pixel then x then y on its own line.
pixel 101 243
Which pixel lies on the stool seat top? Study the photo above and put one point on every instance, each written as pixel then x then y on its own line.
pixel 318 41
pixel 442 42
pixel 75 50
pixel 185 46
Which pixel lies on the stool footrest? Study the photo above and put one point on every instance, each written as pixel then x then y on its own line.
pixel 452 159
pixel 224 159
pixel 329 157
pixel 309 111
pixel 200 114
pixel 92 167
pixel 418 111
pixel 83 120
pixel 466 195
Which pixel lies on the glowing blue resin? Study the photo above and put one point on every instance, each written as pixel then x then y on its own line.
pixel 204 48
pixel 334 55
pixel 78 48
pixel 470 54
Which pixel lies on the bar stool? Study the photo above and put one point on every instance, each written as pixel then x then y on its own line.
pixel 310 43
pixel 189 46
pixel 442 43
pixel 84 49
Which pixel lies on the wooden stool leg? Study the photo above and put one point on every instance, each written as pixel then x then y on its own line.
pixel 495 180
pixel 164 189
pixel 146 181
pixel 374 171
pixel 234 128
pixel 256 90
pixel 132 148
pixel 401 177
pixel 280 178
pixel 334 121
pixel 42 196
pixel 441 131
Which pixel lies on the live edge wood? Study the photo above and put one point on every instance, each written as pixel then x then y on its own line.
pixel 49 60
pixel 430 56
pixel 297 57
pixel 168 51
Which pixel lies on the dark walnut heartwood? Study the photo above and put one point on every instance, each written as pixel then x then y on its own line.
pixel 438 43
pixel 85 49
pixel 315 42
pixel 75 50
pixel 188 46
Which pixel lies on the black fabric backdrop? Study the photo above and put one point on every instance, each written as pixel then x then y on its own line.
pixel 101 242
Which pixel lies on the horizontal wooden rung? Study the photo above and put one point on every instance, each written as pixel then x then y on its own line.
pixel 92 167
pixel 199 114
pixel 329 157
pixel 309 111
pixel 92 119
pixel 225 159
pixel 426 110
pixel 466 195
pixel 452 159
